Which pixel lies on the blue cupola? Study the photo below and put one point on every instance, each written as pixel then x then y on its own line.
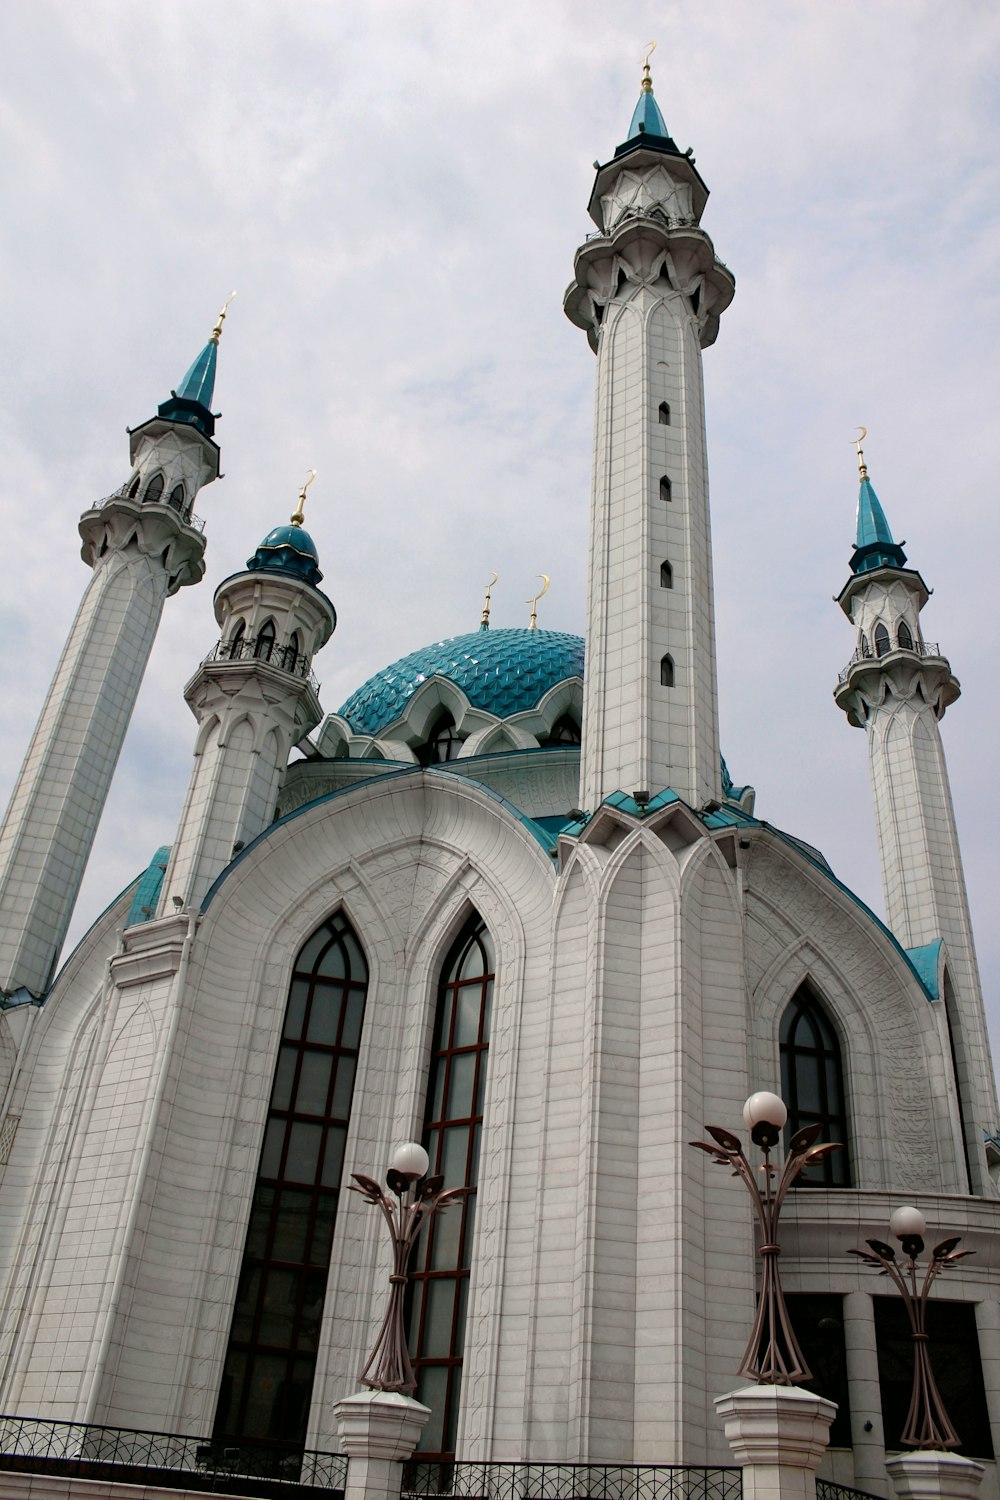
pixel 648 127
pixel 874 547
pixel 192 401
pixel 290 549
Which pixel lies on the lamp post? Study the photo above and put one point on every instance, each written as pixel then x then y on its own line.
pixel 927 1423
pixel 772 1355
pixel 418 1198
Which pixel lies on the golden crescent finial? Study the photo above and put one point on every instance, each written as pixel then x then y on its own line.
pixel 297 514
pixel 216 333
pixel 484 623
pixel 533 622
pixel 862 466
pixel 647 82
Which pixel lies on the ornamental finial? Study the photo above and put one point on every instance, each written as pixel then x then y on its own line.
pixel 533 622
pixel 647 82
pixel 297 516
pixel 484 623
pixel 862 466
pixel 216 333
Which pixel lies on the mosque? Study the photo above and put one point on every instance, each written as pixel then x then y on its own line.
pixel 507 901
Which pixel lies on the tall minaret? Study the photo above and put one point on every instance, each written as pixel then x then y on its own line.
pixel 896 687
pixel 254 698
pixel 143 544
pixel 649 292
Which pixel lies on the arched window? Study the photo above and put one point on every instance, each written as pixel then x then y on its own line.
pixel 154 489
pixel 882 642
pixel 667 671
pixel 133 488
pixel 664 413
pixel 237 641
pixel 812 1084
pixel 866 650
pixel 666 576
pixel 265 641
pixel 271 1359
pixel 177 497
pixel 442 743
pixel 904 637
pixel 293 652
pixel 665 489
pixel 453 1125
pixel 565 731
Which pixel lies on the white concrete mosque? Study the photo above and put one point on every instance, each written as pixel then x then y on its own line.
pixel 511 906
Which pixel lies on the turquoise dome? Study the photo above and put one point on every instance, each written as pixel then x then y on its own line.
pixel 502 672
pixel 288 549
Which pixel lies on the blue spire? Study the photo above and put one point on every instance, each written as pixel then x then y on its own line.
pixel 875 546
pixel 648 126
pixel 192 401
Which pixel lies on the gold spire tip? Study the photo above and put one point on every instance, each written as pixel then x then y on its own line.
pixel 533 622
pixel 647 82
pixel 484 623
pixel 216 333
pixel 862 466
pixel 297 516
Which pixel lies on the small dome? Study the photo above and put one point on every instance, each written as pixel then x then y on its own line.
pixel 502 672
pixel 288 549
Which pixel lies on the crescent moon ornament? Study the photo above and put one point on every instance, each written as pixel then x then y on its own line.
pixel 297 514
pixel 216 333
pixel 862 467
pixel 484 623
pixel 533 622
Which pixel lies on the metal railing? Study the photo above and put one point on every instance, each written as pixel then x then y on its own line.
pixel 34 1445
pixel 264 648
pixel 554 1481
pixel 122 493
pixel 827 1490
pixel 916 648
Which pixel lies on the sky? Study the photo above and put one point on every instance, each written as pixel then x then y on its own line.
pixel 396 190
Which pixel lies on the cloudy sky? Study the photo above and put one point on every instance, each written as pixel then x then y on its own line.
pixel 396 190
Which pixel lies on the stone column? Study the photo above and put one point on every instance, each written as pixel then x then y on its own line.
pixel 378 1430
pixel 932 1475
pixel 778 1435
pixel 988 1328
pixel 866 1399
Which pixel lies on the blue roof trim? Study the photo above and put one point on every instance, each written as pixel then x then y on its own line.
pixel 926 961
pixel 147 892
pixel 77 946
pixel 542 835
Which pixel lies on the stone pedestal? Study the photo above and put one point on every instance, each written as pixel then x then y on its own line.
pixel 931 1474
pixel 378 1430
pixel 778 1434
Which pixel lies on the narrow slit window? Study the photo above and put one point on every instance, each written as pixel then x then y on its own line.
pixel 176 500
pixel 882 642
pixel 666 576
pixel 812 1084
pixel 666 489
pixel 667 671
pixel 236 641
pixel 664 413
pixel 133 488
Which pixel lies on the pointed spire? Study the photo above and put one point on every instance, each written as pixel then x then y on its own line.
pixel 484 623
pixel 646 117
pixel 192 400
pixel 874 546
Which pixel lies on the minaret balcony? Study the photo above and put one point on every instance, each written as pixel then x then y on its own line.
pixel 918 648
pixel 265 650
pixel 187 516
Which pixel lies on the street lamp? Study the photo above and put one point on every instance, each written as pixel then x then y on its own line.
pixel 772 1355
pixel 418 1198
pixel 927 1423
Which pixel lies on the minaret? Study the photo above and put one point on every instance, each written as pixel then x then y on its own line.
pixel 896 687
pixel 143 544
pixel 254 698
pixel 649 292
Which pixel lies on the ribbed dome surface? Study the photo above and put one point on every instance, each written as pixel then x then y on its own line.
pixel 502 672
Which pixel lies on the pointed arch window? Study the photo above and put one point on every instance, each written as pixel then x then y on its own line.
pixel 666 489
pixel 882 641
pixel 133 488
pixel 565 731
pixel 866 650
pixel 271 1359
pixel 666 576
pixel 452 1130
pixel 904 636
pixel 237 641
pixel 667 671
pixel 154 489
pixel 265 641
pixel 442 744
pixel 293 652
pixel 664 413
pixel 176 499
pixel 812 1084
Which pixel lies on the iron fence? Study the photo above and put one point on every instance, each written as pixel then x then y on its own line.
pixel 264 648
pixel 916 648
pixel 527 1481
pixel 827 1490
pixel 122 493
pixel 166 1459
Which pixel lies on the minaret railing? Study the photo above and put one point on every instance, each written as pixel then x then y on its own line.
pixel 265 650
pixel 918 648
pixel 188 517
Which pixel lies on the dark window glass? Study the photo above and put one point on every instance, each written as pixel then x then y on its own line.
pixel 666 489
pixel 904 637
pixel 818 1320
pixel 667 672
pixel 565 731
pixel 664 413
pixel 440 1283
pixel 666 576
pixel 265 641
pixel 866 650
pixel 442 743
pixel 293 652
pixel 955 1360
pixel 154 488
pixel 236 641
pixel 133 488
pixel 177 497
pixel 882 642
pixel 270 1362
pixel 812 1084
